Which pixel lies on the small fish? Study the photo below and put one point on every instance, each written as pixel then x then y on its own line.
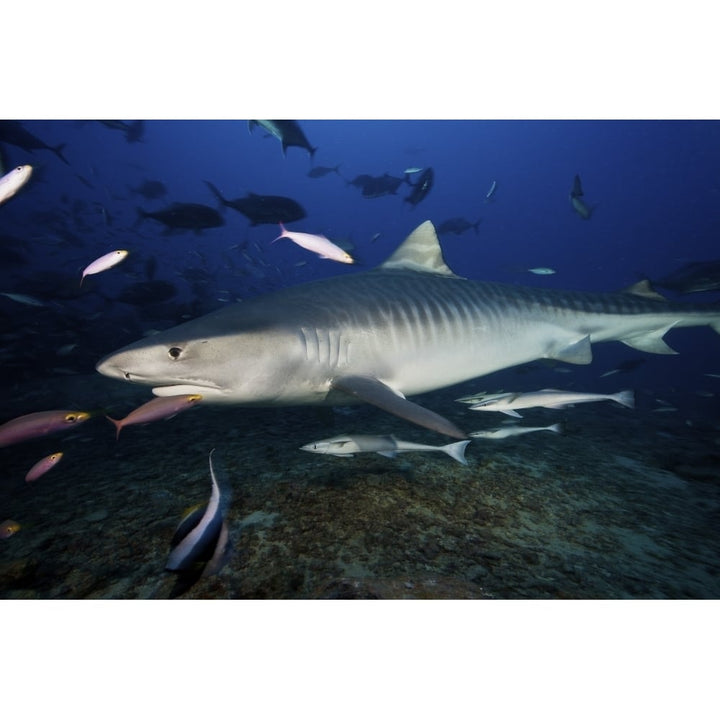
pixel 549 398
pixel 318 244
pixel 578 205
pixel 386 445
pixel 13 181
pixel 505 432
pixel 156 409
pixel 200 545
pixel 42 466
pixel 319 171
pixel 24 299
pixel 542 271
pixel 412 170
pixel 104 263
pixel 491 191
pixel 38 424
pixel 8 528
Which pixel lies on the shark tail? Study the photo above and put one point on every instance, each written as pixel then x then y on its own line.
pixel 457 451
pixel 625 398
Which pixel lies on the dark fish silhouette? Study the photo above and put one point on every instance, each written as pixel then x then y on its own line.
pixel 133 131
pixel 457 226
pixel 263 209
pixel 319 171
pixel 421 188
pixel 693 277
pixel 288 132
pixel 577 204
pixel 185 216
pixel 150 189
pixel 13 133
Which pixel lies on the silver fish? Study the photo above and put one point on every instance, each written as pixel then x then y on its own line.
pixel 548 398
pixel 386 445
pixel 500 433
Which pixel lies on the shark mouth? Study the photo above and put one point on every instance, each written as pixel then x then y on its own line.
pixel 204 389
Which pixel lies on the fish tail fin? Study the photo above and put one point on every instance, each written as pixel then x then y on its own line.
pixel 58 151
pixel 117 424
pixel 215 192
pixel 625 398
pixel 457 451
pixel 556 428
pixel 475 226
pixel 282 233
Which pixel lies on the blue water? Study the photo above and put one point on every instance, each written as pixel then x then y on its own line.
pixel 655 186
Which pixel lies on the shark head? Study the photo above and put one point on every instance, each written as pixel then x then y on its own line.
pixel 205 356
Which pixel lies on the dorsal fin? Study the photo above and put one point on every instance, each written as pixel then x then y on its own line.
pixel 420 251
pixel 643 289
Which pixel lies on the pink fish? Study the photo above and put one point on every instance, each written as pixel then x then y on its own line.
pixel 157 409
pixel 318 244
pixel 41 467
pixel 104 263
pixel 37 424
pixel 8 528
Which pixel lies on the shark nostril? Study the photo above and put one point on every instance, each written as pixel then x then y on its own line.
pixel 127 375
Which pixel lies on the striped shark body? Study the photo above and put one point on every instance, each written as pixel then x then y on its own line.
pixel 407 327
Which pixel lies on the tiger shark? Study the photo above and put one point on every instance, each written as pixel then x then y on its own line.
pixel 409 326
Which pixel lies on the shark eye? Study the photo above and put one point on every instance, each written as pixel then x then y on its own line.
pixel 175 352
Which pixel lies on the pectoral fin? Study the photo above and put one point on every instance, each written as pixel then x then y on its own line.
pixel 374 392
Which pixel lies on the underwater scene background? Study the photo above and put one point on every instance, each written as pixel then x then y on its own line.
pixel 623 503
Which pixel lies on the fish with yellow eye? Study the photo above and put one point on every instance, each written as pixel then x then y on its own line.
pixel 42 466
pixel 8 528
pixel 160 408
pixel 38 424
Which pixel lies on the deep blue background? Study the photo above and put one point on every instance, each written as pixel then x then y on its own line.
pixel 655 183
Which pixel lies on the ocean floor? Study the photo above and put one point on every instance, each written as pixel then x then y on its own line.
pixel 624 504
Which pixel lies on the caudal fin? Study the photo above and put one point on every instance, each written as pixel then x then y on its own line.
pixel 625 397
pixel 457 451
pixel 118 426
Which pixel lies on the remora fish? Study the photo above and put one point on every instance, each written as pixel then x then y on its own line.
pixel 501 433
pixel 548 398
pixel 386 445
pixel 408 327
pixel 200 545
pixel 13 181
pixel 288 132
